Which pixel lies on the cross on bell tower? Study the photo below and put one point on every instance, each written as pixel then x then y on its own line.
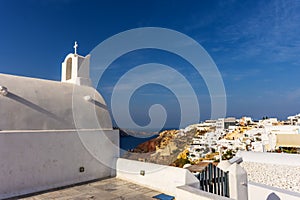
pixel 75 47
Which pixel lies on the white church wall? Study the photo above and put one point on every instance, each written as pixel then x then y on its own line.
pixel 32 161
pixel 84 66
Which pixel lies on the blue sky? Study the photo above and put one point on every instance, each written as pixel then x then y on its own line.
pixel 255 45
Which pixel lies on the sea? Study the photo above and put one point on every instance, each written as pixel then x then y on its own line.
pixel 130 142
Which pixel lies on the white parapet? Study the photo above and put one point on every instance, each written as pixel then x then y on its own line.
pixel 261 191
pixel 188 192
pixel 158 177
pixel 270 158
pixel 238 181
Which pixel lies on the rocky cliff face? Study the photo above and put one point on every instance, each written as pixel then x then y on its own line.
pixel 164 149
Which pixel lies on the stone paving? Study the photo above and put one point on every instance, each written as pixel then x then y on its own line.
pixel 107 189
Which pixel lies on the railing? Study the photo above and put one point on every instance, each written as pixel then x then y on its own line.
pixel 214 180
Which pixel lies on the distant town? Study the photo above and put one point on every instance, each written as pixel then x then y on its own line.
pixel 222 138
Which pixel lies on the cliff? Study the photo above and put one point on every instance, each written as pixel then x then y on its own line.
pixel 164 149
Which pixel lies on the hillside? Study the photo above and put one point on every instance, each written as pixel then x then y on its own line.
pixel 164 149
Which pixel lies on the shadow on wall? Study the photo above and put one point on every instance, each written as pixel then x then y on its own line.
pixel 97 103
pixel 273 196
pixel 34 106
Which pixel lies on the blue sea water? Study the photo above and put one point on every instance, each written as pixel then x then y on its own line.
pixel 130 142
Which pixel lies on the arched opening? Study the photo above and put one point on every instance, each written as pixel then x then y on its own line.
pixel 69 69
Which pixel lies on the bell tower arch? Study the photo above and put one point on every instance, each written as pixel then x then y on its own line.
pixel 69 69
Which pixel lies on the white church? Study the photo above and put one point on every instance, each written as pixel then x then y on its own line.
pixel 54 133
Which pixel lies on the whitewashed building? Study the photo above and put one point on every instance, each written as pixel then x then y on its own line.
pixel 294 120
pixel 54 133
pixel 268 122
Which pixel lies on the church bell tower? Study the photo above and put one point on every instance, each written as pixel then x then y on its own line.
pixel 76 69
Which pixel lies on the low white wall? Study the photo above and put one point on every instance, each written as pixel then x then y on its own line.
pixel 237 180
pixel 32 161
pixel 270 158
pixel 188 192
pixel 158 177
pixel 264 192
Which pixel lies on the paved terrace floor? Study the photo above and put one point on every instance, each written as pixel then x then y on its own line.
pixel 107 189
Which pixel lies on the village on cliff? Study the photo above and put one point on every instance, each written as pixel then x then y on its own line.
pixel 221 139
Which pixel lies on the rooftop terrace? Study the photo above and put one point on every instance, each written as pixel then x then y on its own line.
pixel 108 189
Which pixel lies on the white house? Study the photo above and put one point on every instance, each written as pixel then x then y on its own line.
pixel 220 125
pixel 295 120
pixel 267 122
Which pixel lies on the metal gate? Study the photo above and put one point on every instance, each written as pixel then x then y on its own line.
pixel 214 180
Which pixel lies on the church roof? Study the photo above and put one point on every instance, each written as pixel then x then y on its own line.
pixel 37 104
